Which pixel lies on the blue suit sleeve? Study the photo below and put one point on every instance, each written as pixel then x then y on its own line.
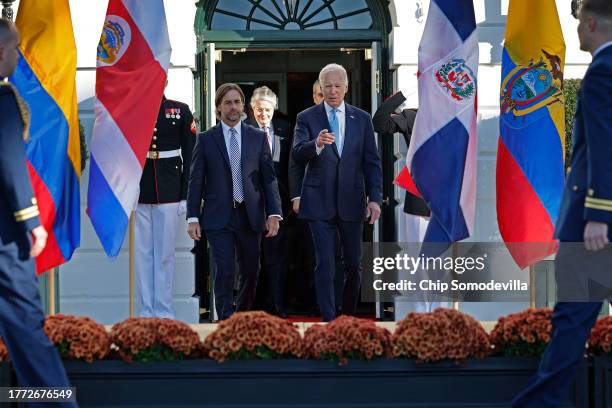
pixel 598 133
pixel 304 144
pixel 296 177
pixel 15 184
pixel 188 136
pixel 196 179
pixel 371 164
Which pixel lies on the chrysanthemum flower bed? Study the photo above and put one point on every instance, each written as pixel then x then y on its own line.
pixel 3 351
pixel 600 342
pixel 347 338
pixel 153 339
pixel 444 334
pixel 253 335
pixel 523 334
pixel 77 338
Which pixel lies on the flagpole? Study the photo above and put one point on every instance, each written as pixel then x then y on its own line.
pixel 7 9
pixel 131 263
pixel 532 287
pixel 455 253
pixel 51 291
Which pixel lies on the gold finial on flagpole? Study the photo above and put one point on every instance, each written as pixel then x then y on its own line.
pixel 7 10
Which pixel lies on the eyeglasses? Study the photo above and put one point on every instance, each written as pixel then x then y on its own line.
pixel 575 7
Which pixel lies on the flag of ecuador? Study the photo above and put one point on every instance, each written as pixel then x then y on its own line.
pixel 46 78
pixel 530 151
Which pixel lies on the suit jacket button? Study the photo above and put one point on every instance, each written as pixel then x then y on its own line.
pixel 591 193
pixel 154 146
pixel 575 188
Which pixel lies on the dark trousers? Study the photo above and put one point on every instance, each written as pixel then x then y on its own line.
pixel 572 323
pixel 274 268
pixel 324 236
pixel 235 241
pixel 582 284
pixel 35 359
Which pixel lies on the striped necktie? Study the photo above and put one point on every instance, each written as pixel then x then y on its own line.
pixel 235 164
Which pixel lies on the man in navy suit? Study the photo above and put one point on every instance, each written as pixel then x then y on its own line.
pixel 264 102
pixel 35 359
pixel 233 172
pixel 585 218
pixel 342 185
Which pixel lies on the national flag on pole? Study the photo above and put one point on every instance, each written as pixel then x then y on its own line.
pixel 133 59
pixel 442 153
pixel 532 128
pixel 46 78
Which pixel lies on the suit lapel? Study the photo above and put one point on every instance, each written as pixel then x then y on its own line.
pixel 245 145
pixel 349 118
pixel 220 141
pixel 326 125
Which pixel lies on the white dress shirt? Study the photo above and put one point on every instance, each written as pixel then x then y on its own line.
pixel 341 116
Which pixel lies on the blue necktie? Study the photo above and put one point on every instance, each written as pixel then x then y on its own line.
pixel 235 164
pixel 335 128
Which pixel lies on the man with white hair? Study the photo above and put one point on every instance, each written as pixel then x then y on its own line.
pixel 336 143
pixel 273 261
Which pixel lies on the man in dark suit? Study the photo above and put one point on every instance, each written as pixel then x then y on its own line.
pixel 584 226
pixel 304 245
pixel 233 172
pixel 22 238
pixel 336 143
pixel 162 200
pixel 274 268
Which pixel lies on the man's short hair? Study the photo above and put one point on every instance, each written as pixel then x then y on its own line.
pixel 601 8
pixel 333 68
pixel 224 89
pixel 263 93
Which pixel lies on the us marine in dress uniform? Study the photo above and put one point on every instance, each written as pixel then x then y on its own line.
pixel 163 191
pixel 35 359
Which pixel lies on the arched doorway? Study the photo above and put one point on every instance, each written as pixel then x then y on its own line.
pixel 283 44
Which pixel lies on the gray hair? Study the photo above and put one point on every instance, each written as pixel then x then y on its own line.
pixel 332 68
pixel 263 93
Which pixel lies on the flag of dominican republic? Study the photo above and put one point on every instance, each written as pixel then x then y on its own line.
pixel 46 79
pixel 133 58
pixel 442 153
pixel 532 130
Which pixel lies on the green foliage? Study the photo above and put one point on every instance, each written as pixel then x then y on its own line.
pixel 63 348
pixel 570 91
pixel 524 349
pixel 260 352
pixel 158 353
